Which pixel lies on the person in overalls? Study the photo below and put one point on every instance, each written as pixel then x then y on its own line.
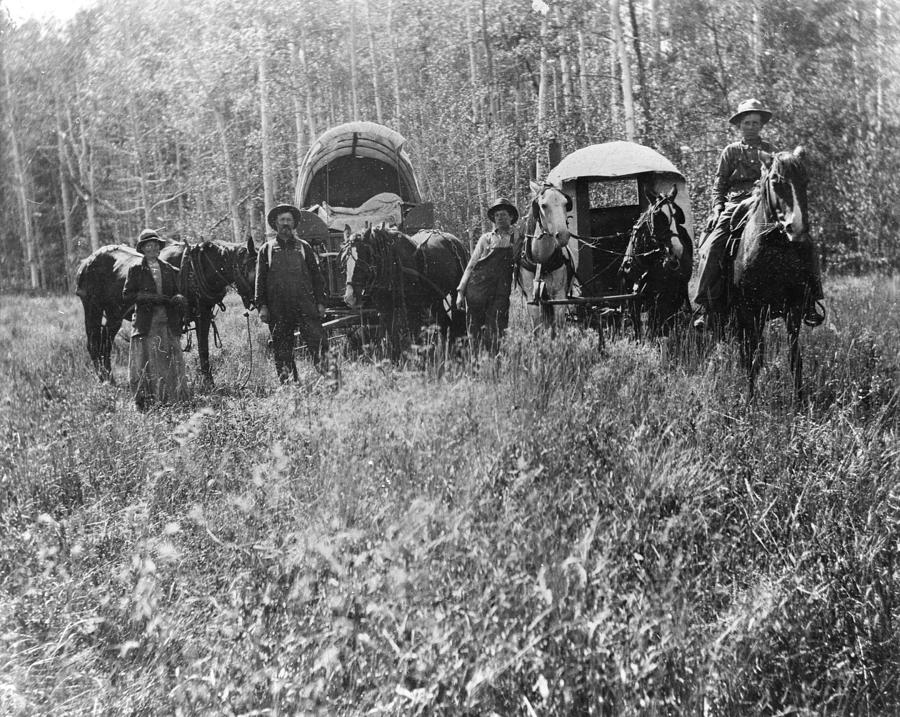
pixel 738 173
pixel 290 292
pixel 487 280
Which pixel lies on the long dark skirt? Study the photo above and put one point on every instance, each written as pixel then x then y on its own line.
pixel 156 365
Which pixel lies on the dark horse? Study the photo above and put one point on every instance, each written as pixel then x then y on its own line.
pixel 206 271
pixel 658 263
pixel 770 277
pixel 406 278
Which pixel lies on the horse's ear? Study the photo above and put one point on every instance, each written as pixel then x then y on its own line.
pixel 674 192
pixel 251 247
pixel 347 232
pixel 535 187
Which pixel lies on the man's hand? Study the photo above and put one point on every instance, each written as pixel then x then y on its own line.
pixel 714 217
pixel 321 308
pixel 264 314
pixel 461 299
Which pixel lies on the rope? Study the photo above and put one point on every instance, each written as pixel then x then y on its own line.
pixel 249 351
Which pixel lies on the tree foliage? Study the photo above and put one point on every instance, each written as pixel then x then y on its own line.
pixel 158 105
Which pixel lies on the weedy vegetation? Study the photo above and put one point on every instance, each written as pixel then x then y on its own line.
pixel 554 532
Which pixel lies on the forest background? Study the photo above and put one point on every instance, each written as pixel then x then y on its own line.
pixel 194 117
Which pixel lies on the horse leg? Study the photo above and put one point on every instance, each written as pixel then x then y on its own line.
pixel 751 347
pixel 93 328
pixel 794 319
pixel 107 338
pixel 204 320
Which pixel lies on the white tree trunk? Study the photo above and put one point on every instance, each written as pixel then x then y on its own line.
pixel 543 81
pixel 230 179
pixel 374 58
pixel 354 83
pixel 625 69
pixel 66 193
pixel 20 182
pixel 265 124
pixel 583 84
pixel 394 63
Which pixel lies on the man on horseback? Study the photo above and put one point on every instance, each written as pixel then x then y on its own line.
pixel 486 282
pixel 738 174
pixel 290 291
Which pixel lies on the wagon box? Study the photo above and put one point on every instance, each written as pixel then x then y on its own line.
pixel 608 184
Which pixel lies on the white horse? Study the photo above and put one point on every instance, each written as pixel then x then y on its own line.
pixel 550 256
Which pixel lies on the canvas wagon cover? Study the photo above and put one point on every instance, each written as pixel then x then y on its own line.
pixel 350 163
pixel 610 160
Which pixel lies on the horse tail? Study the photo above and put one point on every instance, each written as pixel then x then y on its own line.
pixel 80 278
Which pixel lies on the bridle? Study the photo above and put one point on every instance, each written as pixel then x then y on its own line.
pixel 646 226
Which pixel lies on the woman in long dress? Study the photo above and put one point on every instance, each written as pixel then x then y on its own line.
pixel 155 361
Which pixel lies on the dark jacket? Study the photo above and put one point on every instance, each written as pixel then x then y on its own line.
pixel 307 288
pixel 740 167
pixel 140 291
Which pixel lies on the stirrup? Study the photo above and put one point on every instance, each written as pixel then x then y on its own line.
pixel 815 314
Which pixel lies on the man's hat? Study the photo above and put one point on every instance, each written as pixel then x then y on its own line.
pixel 281 209
pixel 147 235
pixel 748 106
pixel 504 204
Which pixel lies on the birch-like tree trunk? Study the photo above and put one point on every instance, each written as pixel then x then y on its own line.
pixel 307 86
pixel 139 163
pixel 395 63
pixel 354 83
pixel 880 60
pixel 583 85
pixel 20 181
pixel 756 41
pixel 473 66
pixel 565 69
pixel 265 125
pixel 299 125
pixel 370 31
pixel 624 68
pixel 639 57
pixel 234 197
pixel 65 192
pixel 655 36
pixel 84 177
pixel 491 104
pixel 543 82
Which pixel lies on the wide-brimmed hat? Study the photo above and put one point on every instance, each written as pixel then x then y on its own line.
pixel 504 204
pixel 148 235
pixel 748 106
pixel 281 209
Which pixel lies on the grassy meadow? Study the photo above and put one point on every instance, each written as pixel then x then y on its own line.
pixel 552 533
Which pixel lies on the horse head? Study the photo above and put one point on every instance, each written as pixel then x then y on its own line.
pixel 783 194
pixel 549 209
pixel 244 272
pixel 362 256
pixel 656 235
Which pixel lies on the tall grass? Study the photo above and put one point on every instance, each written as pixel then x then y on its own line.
pixel 551 532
